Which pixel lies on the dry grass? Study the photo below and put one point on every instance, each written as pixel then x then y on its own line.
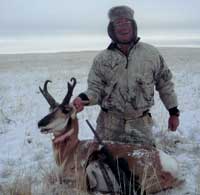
pixel 20 186
pixel 197 190
pixel 24 186
pixel 48 183
pixel 147 182
pixel 44 183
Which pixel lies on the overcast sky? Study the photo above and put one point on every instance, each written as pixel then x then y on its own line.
pixel 71 25
pixel 90 16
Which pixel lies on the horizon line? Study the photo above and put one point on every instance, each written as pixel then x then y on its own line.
pixel 92 50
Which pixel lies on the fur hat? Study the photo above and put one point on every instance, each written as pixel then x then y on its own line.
pixel 120 12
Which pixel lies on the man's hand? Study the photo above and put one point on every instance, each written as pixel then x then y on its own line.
pixel 173 122
pixel 79 104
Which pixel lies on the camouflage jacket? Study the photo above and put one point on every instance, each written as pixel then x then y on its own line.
pixel 126 83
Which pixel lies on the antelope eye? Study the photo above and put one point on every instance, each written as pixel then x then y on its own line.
pixel 66 110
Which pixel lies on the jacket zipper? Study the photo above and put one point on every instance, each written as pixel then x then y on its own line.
pixel 126 62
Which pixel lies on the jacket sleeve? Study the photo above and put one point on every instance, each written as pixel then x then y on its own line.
pixel 164 84
pixel 95 83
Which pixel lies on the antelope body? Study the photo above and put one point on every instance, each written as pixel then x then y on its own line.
pixel 71 154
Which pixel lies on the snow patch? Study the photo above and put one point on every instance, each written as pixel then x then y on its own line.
pixel 22 106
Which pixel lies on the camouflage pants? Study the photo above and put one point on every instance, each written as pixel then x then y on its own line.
pixel 115 128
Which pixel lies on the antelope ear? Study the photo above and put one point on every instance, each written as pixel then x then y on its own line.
pixel 73 114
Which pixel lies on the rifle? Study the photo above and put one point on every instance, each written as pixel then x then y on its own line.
pixel 125 178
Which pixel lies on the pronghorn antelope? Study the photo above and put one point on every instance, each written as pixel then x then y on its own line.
pixel 156 170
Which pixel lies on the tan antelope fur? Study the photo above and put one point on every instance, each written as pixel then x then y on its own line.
pixel 156 170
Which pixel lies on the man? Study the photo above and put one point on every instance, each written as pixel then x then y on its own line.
pixel 122 81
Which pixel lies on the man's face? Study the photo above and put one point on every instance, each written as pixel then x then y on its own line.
pixel 123 30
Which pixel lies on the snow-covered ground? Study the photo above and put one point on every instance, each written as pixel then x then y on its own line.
pixel 24 150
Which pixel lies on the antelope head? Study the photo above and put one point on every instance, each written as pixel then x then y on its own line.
pixel 58 121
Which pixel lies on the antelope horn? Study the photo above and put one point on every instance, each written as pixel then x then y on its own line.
pixel 71 86
pixel 47 96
